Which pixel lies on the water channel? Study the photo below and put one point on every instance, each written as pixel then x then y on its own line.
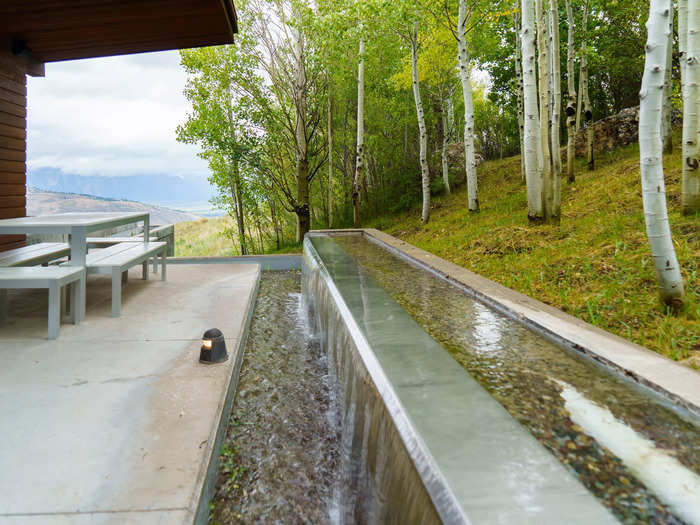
pixel 391 395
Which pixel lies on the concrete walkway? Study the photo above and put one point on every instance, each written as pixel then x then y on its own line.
pixel 116 420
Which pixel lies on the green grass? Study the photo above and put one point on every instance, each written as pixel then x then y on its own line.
pixel 595 265
pixel 205 237
pixel 211 237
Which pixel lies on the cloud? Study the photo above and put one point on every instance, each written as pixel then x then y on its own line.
pixel 111 116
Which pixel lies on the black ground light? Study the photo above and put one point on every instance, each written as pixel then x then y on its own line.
pixel 213 347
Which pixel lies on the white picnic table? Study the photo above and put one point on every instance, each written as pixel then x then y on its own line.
pixel 76 226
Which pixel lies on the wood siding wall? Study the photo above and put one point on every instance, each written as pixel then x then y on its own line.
pixel 13 149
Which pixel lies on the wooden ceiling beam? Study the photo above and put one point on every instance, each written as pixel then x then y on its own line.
pixel 69 29
pixel 58 39
pixel 104 15
pixel 95 51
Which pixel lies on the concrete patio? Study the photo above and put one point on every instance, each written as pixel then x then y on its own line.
pixel 116 421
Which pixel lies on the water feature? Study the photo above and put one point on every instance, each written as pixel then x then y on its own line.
pixel 639 456
pixel 425 435
pixel 385 394
pixel 280 455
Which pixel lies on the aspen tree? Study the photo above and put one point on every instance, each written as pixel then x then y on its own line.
pixel 666 113
pixel 330 156
pixel 587 109
pixel 360 160
pixel 464 76
pixel 425 172
pixel 571 105
pixel 583 67
pixel 303 211
pixel 682 38
pixel 519 86
pixel 236 194
pixel 650 151
pixel 555 70
pixel 690 192
pixel 532 143
pixel 545 97
pixel 447 125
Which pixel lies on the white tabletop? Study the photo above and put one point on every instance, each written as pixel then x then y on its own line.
pixel 66 222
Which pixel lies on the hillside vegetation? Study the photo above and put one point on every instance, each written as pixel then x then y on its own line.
pixel 216 237
pixel 204 237
pixel 596 265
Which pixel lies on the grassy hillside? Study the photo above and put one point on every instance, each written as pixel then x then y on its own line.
pixel 204 237
pixel 41 202
pixel 211 237
pixel 596 265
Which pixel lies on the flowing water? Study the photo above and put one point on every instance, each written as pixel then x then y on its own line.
pixel 279 459
pixel 638 456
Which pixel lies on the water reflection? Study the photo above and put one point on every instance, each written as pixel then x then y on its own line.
pixel 487 329
pixel 677 486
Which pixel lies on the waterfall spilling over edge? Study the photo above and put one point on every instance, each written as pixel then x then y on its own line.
pixel 422 440
pixel 378 481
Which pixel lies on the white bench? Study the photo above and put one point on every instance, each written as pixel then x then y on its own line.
pixel 117 259
pixel 53 278
pixel 41 253
pixel 102 242
pixel 106 242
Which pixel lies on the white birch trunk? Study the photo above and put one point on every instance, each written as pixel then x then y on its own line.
pixel 425 172
pixel 360 158
pixel 451 116
pixel 556 109
pixel 533 171
pixel 587 109
pixel 571 88
pixel 579 105
pixel 690 192
pixel 666 114
pixel 682 37
pixel 545 96
pixel 682 58
pixel 650 146
pixel 519 84
pixel 579 102
pixel 464 76
pixel 446 134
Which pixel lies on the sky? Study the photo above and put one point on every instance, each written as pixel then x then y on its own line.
pixel 111 116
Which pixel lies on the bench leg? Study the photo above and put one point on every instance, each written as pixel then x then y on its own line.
pixel 116 293
pixel 155 264
pixel 65 302
pixel 82 300
pixel 145 270
pixel 77 289
pixel 163 267
pixel 54 309
pixel 3 304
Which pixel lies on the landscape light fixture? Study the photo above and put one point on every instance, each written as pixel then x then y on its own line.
pixel 213 347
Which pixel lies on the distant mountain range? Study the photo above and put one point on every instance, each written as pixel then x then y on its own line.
pixel 41 202
pixel 160 189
